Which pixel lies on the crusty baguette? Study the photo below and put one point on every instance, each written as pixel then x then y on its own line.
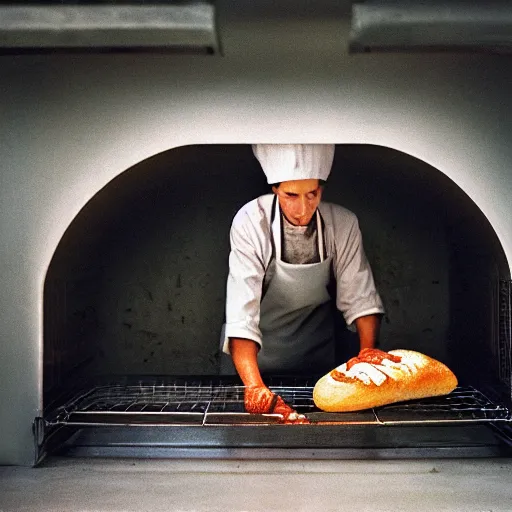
pixel 368 385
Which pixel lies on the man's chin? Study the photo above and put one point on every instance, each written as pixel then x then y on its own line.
pixel 301 222
pixel 298 222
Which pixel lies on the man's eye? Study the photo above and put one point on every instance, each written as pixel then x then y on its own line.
pixel 311 195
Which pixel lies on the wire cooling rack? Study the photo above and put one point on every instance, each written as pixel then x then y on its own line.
pixel 197 401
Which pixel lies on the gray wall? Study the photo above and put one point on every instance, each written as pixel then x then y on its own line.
pixel 71 124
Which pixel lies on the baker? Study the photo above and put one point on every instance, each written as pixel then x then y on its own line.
pixel 289 253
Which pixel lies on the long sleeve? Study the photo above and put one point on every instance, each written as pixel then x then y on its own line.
pixel 356 293
pixel 249 239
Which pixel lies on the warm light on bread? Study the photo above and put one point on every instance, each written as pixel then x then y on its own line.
pixel 378 378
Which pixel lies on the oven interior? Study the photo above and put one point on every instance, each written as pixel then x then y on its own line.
pixel 134 304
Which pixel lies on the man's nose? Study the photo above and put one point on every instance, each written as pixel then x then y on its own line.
pixel 303 207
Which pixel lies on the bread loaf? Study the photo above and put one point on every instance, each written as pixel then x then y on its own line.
pixel 376 378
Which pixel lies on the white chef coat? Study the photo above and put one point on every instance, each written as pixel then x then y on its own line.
pixel 251 252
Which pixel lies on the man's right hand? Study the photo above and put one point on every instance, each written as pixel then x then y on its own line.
pixel 260 400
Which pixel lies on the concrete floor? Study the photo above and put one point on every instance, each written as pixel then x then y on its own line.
pixel 119 485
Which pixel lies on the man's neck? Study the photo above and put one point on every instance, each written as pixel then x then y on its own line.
pixel 308 229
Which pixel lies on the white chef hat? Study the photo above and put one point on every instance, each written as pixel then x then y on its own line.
pixel 286 162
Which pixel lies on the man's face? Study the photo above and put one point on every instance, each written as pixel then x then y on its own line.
pixel 298 200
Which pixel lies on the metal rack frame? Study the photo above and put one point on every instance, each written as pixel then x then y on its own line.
pixel 175 402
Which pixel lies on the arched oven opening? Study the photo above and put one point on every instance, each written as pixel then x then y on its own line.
pixel 134 304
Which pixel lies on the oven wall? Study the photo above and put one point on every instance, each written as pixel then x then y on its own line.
pixel 70 124
pixel 145 288
pixel 137 283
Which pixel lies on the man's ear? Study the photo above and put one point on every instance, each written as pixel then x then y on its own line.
pixel 274 189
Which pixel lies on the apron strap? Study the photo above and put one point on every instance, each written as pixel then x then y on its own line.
pixel 272 217
pixel 320 236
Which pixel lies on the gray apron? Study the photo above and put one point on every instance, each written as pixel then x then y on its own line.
pixel 296 319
